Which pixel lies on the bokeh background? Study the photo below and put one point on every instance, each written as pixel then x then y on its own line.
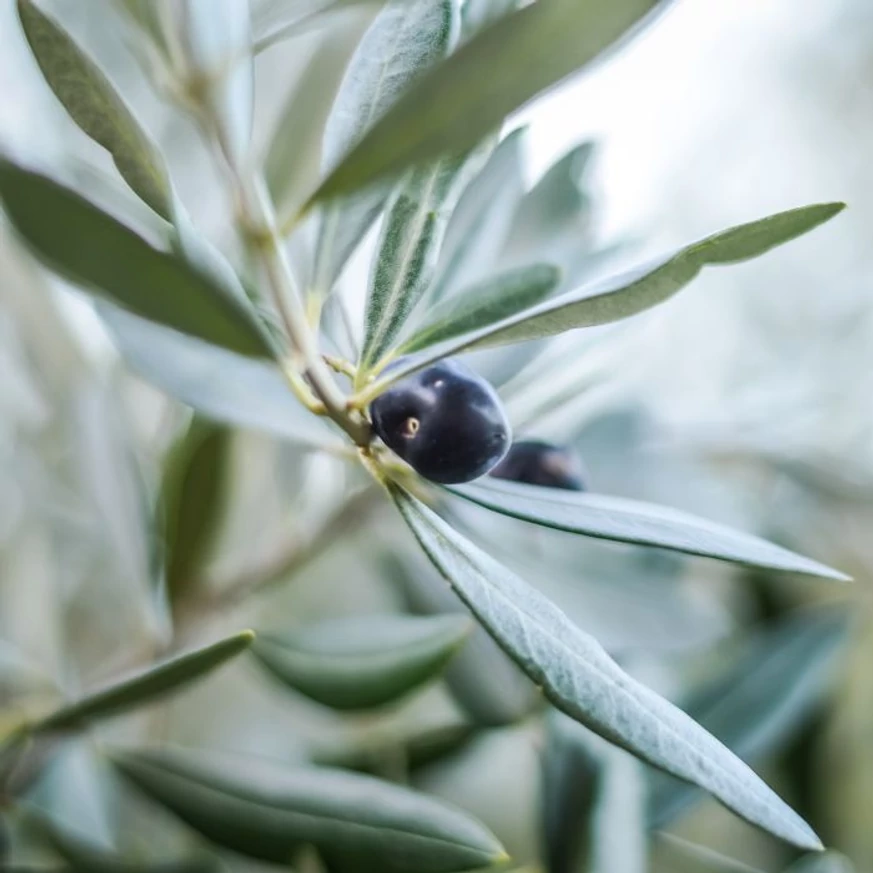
pixel 746 399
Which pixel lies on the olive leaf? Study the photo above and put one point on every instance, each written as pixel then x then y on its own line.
pixel 266 810
pixel 454 105
pixel 627 294
pixel 580 679
pixel 405 37
pixel 755 705
pixel 94 251
pixel 220 385
pixel 486 302
pixel 359 663
pixel 632 521
pixel 149 685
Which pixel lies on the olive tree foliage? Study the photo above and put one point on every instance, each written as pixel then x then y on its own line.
pixel 397 133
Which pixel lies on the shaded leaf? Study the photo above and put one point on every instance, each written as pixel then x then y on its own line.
pixel 632 521
pixel 405 37
pixel 828 862
pixel 686 857
pixel 266 811
pixel 149 685
pixel 358 663
pixel 94 104
pixel 489 301
pixel 618 297
pixel 193 496
pixel 760 700
pixel 581 680
pixel 219 384
pixel 454 105
pixel 92 250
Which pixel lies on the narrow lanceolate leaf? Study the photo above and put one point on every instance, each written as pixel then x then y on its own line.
pixel 683 856
pixel 193 497
pixel 146 687
pixel 406 37
pixel 221 385
pixel 767 695
pixel 486 302
pixel 93 250
pixel 829 862
pixel 93 103
pixel 358 663
pixel 631 521
pixel 408 250
pixel 581 680
pixel 621 296
pixel 454 105
pixel 266 811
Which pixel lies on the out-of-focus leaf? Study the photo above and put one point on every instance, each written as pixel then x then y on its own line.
pixel 149 685
pixel 408 249
pixel 477 14
pixel 92 250
pixel 484 681
pixel 358 663
pixel 193 496
pixel 675 855
pixel 220 385
pixel 828 862
pixel 454 105
pixel 761 699
pixel 96 107
pixel 489 301
pixel 266 811
pixel 581 680
pixel 622 296
pixel 631 521
pixel 18 673
pixel 405 37
pixel 294 152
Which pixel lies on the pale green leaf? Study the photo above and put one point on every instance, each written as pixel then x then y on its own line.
pixel 632 521
pixel 622 296
pixel 457 103
pixel 828 862
pixel 681 856
pixel 490 300
pixel 581 680
pixel 94 251
pixel 145 687
pixel 266 810
pixel 358 663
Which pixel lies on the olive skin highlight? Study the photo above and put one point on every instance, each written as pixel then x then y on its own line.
pixel 445 421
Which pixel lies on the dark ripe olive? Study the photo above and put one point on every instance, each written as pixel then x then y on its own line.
pixel 539 463
pixel 445 421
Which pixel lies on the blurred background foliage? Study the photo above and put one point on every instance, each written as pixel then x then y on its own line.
pixel 745 402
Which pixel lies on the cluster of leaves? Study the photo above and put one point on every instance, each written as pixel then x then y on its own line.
pixel 412 135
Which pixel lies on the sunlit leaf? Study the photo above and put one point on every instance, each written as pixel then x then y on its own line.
pixel 581 680
pixel 631 521
pixel 489 301
pixel 759 701
pixel 149 685
pixel 266 811
pixel 358 663
pixel 622 296
pixel 457 103
pixel 92 250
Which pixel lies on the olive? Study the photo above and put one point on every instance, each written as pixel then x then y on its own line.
pixel 445 421
pixel 535 462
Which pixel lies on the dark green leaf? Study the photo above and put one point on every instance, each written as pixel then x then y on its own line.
pixel 149 685
pixel 454 105
pixel 265 810
pixel 619 297
pixel 581 680
pixel 406 36
pixel 218 384
pixel 829 862
pixel 358 663
pixel 193 497
pixel 489 301
pixel 93 103
pixel 631 521
pixel 756 704
pixel 91 249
